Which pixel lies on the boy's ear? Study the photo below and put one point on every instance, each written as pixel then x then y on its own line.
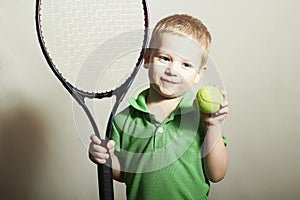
pixel 200 74
pixel 147 55
pixel 147 58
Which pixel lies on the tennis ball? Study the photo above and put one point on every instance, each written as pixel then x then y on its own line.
pixel 209 99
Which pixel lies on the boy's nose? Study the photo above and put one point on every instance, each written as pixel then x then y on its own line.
pixel 172 68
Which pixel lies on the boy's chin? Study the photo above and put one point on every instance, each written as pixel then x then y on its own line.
pixel 168 94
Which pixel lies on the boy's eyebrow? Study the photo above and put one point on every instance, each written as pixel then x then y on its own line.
pixel 165 51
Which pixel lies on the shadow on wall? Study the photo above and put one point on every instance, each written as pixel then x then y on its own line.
pixel 22 144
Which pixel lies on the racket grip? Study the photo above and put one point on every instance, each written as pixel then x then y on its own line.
pixel 105 181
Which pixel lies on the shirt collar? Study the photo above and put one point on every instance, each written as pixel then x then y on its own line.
pixel 185 106
pixel 140 102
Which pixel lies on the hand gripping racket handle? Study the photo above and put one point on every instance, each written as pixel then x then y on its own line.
pixel 105 183
pixel 105 175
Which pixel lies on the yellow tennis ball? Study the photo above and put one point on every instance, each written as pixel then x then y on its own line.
pixel 209 99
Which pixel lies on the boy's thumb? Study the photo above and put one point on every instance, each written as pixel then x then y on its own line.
pixel 111 146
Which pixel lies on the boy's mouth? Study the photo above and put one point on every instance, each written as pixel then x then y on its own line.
pixel 168 81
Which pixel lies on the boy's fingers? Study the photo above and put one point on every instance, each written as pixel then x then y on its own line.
pixel 216 119
pixel 224 104
pixel 222 111
pixel 220 117
pixel 98 153
pixel 95 148
pixel 224 93
pixel 98 157
pixel 99 161
pixel 102 156
pixel 95 139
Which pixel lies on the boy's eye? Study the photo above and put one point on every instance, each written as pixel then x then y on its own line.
pixel 164 59
pixel 186 65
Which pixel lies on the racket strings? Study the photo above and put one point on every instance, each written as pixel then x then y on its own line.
pixel 84 38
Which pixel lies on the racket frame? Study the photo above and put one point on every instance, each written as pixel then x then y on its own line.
pixel 105 178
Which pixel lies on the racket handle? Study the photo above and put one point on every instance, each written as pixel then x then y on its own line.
pixel 105 181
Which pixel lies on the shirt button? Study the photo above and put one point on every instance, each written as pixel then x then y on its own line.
pixel 160 130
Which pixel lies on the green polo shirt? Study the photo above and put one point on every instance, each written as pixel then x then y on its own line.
pixel 162 159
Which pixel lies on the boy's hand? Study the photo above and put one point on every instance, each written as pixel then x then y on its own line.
pixel 218 117
pixel 99 154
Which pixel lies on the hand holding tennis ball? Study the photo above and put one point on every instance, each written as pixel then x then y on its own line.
pixel 209 99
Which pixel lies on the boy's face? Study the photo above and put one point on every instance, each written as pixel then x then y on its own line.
pixel 174 65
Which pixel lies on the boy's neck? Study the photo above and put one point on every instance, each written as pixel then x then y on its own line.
pixel 161 106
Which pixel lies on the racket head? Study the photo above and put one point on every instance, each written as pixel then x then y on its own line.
pixel 80 40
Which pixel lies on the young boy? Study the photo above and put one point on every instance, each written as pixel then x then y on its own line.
pixel 162 146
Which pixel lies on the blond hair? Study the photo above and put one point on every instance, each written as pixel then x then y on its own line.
pixel 186 26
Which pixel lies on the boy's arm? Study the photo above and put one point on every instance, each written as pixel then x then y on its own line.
pixel 216 161
pixel 117 164
pixel 215 153
pixel 99 155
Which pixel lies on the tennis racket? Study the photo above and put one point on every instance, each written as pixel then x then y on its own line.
pixel 95 48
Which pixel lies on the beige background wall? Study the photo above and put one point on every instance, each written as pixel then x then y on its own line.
pixel 256 48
